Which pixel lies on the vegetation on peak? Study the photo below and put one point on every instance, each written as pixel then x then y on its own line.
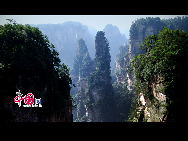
pixel 166 56
pixel 158 24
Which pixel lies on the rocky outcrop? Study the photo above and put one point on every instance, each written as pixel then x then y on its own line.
pixel 83 66
pixel 139 31
pixel 94 96
pixel 121 63
pixel 134 43
pixel 116 39
pixel 100 102
pixel 154 108
pixel 138 34
pixel 154 111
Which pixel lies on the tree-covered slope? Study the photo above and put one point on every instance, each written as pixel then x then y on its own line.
pixel 165 57
pixel 29 63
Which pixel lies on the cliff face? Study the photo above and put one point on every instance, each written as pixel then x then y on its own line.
pixel 121 64
pixel 135 42
pixel 154 112
pixel 93 81
pixel 139 30
pixel 148 111
pixel 94 88
pixel 155 106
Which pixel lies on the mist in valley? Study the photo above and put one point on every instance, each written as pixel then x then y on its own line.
pixel 98 68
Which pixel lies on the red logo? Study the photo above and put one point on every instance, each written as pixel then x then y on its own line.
pixel 28 100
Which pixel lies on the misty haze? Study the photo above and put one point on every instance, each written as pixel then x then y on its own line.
pixel 85 75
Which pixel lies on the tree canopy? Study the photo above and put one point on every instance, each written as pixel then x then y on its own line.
pixel 173 24
pixel 25 52
pixel 166 56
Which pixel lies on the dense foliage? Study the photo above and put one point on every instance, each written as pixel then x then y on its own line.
pixel 149 21
pixel 28 58
pixel 166 57
pixel 175 23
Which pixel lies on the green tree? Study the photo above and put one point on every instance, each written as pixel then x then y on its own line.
pixel 166 56
pixel 26 55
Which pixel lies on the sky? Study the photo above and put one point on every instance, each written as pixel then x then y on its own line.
pixel 123 22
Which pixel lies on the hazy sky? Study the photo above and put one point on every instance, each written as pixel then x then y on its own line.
pixel 123 22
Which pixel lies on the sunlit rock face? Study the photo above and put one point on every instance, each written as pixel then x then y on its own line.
pixel 154 112
pixel 151 112
pixel 143 31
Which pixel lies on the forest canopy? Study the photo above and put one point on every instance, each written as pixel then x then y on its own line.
pixel 27 54
pixel 166 56
pixel 176 23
